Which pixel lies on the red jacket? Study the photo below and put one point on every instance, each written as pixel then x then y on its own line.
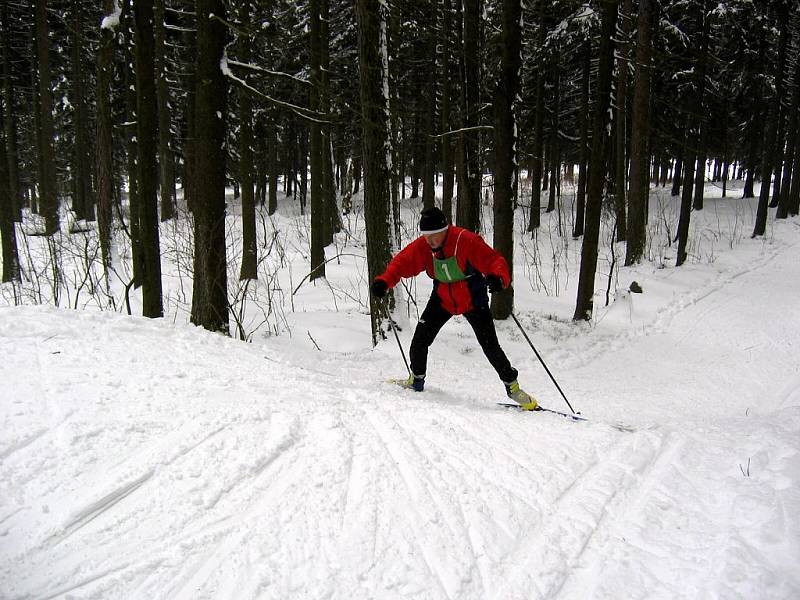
pixel 475 259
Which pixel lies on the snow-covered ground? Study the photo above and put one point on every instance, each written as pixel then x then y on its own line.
pixel 151 459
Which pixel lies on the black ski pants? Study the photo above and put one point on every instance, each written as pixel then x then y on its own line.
pixel 432 320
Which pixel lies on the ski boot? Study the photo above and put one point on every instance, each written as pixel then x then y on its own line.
pixel 520 396
pixel 414 382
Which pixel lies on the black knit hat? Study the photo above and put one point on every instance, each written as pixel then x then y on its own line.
pixel 431 221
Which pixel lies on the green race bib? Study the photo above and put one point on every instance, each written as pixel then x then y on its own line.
pixel 447 270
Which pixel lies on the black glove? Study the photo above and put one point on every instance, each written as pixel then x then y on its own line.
pixel 494 283
pixel 379 288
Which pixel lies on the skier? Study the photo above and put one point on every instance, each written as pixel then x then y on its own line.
pixel 462 266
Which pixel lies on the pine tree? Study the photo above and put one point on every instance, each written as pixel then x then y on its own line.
pixel 446 142
pixel 621 121
pixel 8 235
pixel 105 142
pixel 537 160
pixel 640 155
pixel 468 213
pixel 318 216
pixel 210 291
pixel 694 109
pixel 504 146
pixel 373 76
pixel 787 205
pixel 166 155
pixel 597 163
pixel 249 265
pixel 583 141
pixel 82 189
pixel 768 152
pixel 10 129
pixel 146 136
pixel 48 202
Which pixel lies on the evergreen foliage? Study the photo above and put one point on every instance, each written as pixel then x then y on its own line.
pixel 720 102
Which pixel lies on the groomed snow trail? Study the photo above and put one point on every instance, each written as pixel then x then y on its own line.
pixel 144 460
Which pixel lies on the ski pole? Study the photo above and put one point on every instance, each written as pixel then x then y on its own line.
pixel 397 337
pixel 541 360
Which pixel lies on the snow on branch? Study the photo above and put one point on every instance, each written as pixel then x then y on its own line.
pixel 111 21
pixel 300 111
pixel 258 69
pixel 462 130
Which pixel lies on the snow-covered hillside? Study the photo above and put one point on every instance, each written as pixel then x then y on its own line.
pixel 143 459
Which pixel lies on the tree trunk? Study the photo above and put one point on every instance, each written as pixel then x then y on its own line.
pixel 791 141
pixel 417 147
pixel 724 166
pixel 677 175
pixel 8 234
pixel 428 177
pixel 640 132
pixel 131 144
pixel 189 148
pixel 621 130
pixel 333 223
pixel 333 220
pixel 249 266
pixel 34 132
pixel 373 80
pixel 397 181
pixel 146 129
pixel 781 79
pixel 318 220
pixel 105 142
pixel 663 166
pixel 303 162
pixel 166 157
pixel 554 153
pixel 469 214
pixel 272 164
pixel 357 169
pixel 756 129
pixel 83 196
pixel 210 298
pixel 583 116
pixel 794 193
pixel 537 161
pixel 700 173
pixel 597 163
pixel 693 135
pixel 768 153
pixel 505 144
pixel 446 141
pixel 9 94
pixel 285 166
pixel 259 159
pixel 458 140
pixel 48 202
pixel 686 201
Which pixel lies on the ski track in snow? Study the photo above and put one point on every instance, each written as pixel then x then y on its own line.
pixel 154 461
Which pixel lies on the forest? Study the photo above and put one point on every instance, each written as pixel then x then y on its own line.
pixel 141 133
